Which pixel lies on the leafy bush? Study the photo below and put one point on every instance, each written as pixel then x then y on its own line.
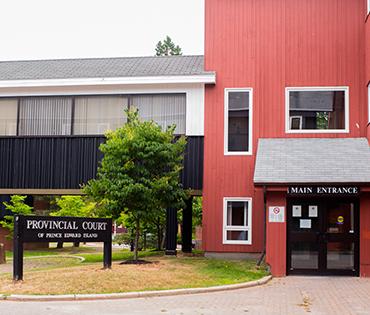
pixel 17 205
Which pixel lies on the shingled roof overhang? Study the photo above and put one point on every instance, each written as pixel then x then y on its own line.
pixel 128 70
pixel 312 161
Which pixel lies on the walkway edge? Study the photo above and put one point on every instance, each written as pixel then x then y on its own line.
pixel 128 295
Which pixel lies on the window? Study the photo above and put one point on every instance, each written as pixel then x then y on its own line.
pixel 165 109
pixel 96 114
pixel 45 116
pixel 87 115
pixel 238 123
pixel 317 110
pixel 237 221
pixel 8 120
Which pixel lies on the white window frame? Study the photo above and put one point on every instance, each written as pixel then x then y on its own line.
pixel 368 7
pixel 345 89
pixel 227 228
pixel 226 122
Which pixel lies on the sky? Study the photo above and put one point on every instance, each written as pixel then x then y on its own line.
pixel 53 29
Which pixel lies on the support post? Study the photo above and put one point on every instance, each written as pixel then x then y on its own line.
pixel 107 255
pixel 187 226
pixel 171 231
pixel 17 250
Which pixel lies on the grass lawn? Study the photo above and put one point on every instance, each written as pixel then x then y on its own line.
pixel 163 273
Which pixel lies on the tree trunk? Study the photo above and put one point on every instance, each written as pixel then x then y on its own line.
pixel 137 235
pixel 76 244
pixel 60 245
pixel 144 240
pixel 159 235
pixel 163 239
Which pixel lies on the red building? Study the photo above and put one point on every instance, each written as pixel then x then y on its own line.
pixel 287 161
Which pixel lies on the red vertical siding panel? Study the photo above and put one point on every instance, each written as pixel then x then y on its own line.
pixel 367 69
pixel 365 235
pixel 276 236
pixel 268 45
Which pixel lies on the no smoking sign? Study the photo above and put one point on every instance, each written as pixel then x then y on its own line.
pixel 276 214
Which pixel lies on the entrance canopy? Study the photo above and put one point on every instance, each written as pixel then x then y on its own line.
pixel 312 160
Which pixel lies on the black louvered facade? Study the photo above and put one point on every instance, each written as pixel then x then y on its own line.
pixel 68 162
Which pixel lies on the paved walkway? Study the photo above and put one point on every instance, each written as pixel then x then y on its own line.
pixel 286 296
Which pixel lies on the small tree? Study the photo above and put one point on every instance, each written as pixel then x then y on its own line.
pixel 139 173
pixel 167 48
pixel 17 205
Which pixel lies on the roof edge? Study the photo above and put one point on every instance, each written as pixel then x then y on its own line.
pixel 98 58
pixel 206 78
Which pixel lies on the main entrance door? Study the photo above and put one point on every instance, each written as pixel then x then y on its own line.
pixel 323 236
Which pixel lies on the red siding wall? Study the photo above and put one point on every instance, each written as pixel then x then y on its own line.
pixel 367 47
pixel 365 235
pixel 269 45
pixel 276 236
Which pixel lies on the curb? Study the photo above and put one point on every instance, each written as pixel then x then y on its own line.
pixel 130 295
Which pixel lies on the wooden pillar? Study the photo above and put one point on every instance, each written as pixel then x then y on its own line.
pixel 171 231
pixel 187 226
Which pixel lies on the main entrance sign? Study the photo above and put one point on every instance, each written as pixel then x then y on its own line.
pixel 59 229
pixel 324 190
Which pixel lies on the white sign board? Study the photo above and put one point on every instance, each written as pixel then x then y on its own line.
pixel 312 211
pixel 276 214
pixel 305 224
pixel 297 211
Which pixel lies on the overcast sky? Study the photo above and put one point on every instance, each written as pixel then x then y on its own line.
pixel 44 29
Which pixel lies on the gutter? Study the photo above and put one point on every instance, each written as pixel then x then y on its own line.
pixel 207 78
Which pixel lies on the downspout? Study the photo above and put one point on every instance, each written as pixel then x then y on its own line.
pixel 263 254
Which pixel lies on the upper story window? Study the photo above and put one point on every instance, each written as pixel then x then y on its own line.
pixel 86 115
pixel 164 109
pixel 8 120
pixel 317 110
pixel 238 122
pixel 45 116
pixel 96 114
pixel 237 221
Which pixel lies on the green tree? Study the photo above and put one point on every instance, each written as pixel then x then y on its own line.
pixel 17 205
pixel 139 173
pixel 73 206
pixel 167 48
pixel 197 212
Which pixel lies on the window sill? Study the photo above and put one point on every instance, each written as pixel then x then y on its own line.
pixel 237 153
pixel 316 131
pixel 237 243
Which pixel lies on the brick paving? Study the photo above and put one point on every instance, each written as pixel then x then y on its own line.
pixel 285 296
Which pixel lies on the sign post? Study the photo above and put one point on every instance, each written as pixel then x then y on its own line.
pixel 59 229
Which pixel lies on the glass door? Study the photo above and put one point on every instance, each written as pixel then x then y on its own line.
pixel 341 237
pixel 322 237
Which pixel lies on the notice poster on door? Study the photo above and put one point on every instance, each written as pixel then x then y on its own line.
pixel 297 211
pixel 276 214
pixel 305 224
pixel 312 211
